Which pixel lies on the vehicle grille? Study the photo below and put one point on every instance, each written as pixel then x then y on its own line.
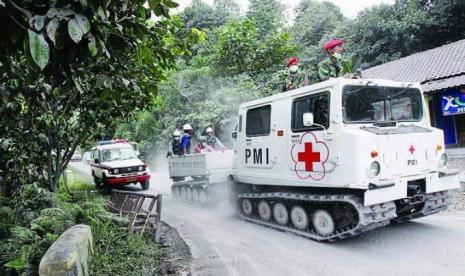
pixel 129 169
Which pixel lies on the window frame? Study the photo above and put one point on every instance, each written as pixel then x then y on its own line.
pixel 247 117
pixel 311 128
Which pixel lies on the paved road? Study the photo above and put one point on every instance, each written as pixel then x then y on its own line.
pixel 222 244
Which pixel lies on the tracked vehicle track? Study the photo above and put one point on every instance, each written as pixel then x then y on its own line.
pixel 367 217
pixel 199 193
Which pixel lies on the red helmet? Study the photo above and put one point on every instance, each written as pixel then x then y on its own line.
pixel 292 61
pixel 330 44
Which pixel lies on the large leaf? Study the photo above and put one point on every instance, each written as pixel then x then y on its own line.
pixel 37 22
pixel 92 45
pixel 60 13
pixel 52 28
pixel 83 23
pixel 75 32
pixel 170 4
pixel 40 50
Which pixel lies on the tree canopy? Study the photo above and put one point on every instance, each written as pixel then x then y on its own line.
pixel 69 69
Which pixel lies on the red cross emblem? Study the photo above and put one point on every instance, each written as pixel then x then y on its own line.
pixel 309 157
pixel 411 149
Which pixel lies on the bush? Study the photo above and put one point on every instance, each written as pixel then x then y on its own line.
pixel 119 253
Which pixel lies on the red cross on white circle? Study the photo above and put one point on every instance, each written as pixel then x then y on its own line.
pixel 411 149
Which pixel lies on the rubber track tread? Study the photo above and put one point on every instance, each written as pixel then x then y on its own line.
pixel 370 217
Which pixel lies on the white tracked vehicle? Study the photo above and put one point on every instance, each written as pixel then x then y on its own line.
pixel 201 178
pixel 338 158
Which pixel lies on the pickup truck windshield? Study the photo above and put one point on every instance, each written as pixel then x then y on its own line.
pixel 365 104
pixel 118 154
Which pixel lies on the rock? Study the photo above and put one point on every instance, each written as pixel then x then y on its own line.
pixel 69 254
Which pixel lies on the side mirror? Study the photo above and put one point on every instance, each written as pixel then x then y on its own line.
pixel 96 161
pixel 308 119
pixel 234 135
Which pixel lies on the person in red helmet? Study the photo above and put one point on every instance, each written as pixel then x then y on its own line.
pixel 294 78
pixel 331 66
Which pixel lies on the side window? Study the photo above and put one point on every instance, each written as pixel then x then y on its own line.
pixel 94 154
pixel 316 104
pixel 258 121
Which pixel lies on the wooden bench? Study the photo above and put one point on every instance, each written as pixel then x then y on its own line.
pixel 138 208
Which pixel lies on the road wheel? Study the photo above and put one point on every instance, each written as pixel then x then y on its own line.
pixel 202 196
pixel 145 185
pixel 264 210
pixel 97 182
pixel 106 189
pixel 299 218
pixel 280 214
pixel 195 195
pixel 175 191
pixel 246 206
pixel 188 193
pixel 183 192
pixel 323 222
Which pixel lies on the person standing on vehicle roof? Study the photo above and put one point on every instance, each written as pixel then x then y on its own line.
pixel 174 147
pixel 186 139
pixel 331 67
pixel 213 141
pixel 294 77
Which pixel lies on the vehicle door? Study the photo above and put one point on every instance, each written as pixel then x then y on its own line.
pixel 310 145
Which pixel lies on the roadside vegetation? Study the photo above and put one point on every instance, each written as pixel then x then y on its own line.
pixel 30 224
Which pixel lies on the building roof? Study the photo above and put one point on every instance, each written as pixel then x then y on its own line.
pixel 435 69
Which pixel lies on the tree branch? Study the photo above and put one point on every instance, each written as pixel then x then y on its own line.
pixel 26 13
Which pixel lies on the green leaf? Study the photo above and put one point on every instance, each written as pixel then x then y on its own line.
pixel 170 4
pixel 83 3
pixel 52 29
pixel 83 23
pixel 61 13
pixel 75 32
pixel 37 22
pixel 101 13
pixel 92 45
pixel 18 264
pixel 39 48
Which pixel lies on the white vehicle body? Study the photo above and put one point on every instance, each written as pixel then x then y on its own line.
pixel 340 156
pixel 117 164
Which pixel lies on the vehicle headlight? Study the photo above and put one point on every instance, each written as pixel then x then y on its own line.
pixel 443 160
pixel 375 168
pixel 141 168
pixel 115 171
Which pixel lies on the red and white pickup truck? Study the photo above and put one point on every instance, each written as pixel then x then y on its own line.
pixel 117 164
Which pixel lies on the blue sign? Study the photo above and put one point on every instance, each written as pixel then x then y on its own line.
pixel 453 103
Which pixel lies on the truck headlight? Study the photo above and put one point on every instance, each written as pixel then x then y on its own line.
pixel 375 168
pixel 141 168
pixel 443 160
pixel 115 171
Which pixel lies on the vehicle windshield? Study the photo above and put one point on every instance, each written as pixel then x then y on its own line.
pixel 365 104
pixel 118 154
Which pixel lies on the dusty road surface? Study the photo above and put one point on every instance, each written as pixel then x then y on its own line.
pixel 222 244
